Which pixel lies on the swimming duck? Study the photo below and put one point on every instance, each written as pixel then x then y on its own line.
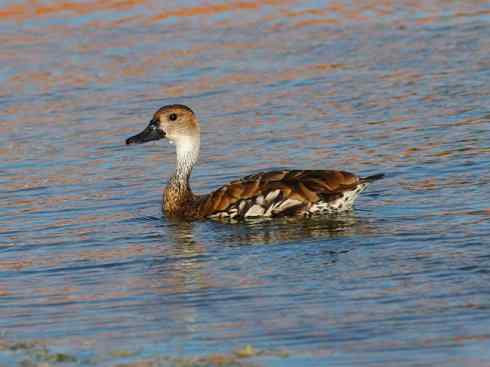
pixel 267 194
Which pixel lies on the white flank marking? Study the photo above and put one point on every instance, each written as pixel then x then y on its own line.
pixel 339 205
pixel 272 195
pixel 242 205
pixel 286 204
pixel 255 211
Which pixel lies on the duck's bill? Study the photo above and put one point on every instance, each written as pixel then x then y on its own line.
pixel 149 134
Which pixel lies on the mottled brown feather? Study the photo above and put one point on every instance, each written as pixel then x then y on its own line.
pixel 307 186
pixel 215 200
pixel 235 190
pixel 307 193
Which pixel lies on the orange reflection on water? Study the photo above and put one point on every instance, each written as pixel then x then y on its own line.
pixel 214 9
pixel 278 83
pixel 32 9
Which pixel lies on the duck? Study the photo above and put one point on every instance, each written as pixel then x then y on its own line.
pixel 278 193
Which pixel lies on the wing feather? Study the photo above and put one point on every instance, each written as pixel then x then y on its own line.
pixel 302 187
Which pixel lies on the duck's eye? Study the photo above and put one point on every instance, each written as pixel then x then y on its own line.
pixel 172 117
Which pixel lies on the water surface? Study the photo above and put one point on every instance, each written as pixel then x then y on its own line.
pixel 88 264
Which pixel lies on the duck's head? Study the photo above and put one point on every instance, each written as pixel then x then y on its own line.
pixel 174 122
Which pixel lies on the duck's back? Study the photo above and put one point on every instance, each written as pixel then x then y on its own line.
pixel 284 193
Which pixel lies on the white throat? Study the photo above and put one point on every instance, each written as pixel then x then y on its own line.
pixel 187 153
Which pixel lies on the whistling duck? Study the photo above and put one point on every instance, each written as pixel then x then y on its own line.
pixel 266 194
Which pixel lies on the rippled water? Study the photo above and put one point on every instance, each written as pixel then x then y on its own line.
pixel 88 264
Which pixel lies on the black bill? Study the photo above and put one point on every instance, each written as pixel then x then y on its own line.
pixel 152 132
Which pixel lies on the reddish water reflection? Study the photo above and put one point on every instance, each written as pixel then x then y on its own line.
pixel 87 263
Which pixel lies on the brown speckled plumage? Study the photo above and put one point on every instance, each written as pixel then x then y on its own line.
pixel 266 194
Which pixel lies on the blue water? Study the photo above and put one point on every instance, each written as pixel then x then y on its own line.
pixel 88 265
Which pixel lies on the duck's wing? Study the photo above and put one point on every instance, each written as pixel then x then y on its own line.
pixel 276 193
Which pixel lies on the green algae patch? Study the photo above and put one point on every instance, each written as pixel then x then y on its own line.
pixel 37 354
pixel 7 345
pixel 60 358
pixel 216 360
pixel 246 352
pixel 43 355
pixel 122 353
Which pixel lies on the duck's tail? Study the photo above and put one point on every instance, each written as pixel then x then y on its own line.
pixel 372 178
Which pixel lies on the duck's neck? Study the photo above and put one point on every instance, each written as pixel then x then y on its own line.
pixel 178 190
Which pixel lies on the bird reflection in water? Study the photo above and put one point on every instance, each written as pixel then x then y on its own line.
pixel 182 259
pixel 195 269
pixel 287 230
pixel 187 244
pixel 190 245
